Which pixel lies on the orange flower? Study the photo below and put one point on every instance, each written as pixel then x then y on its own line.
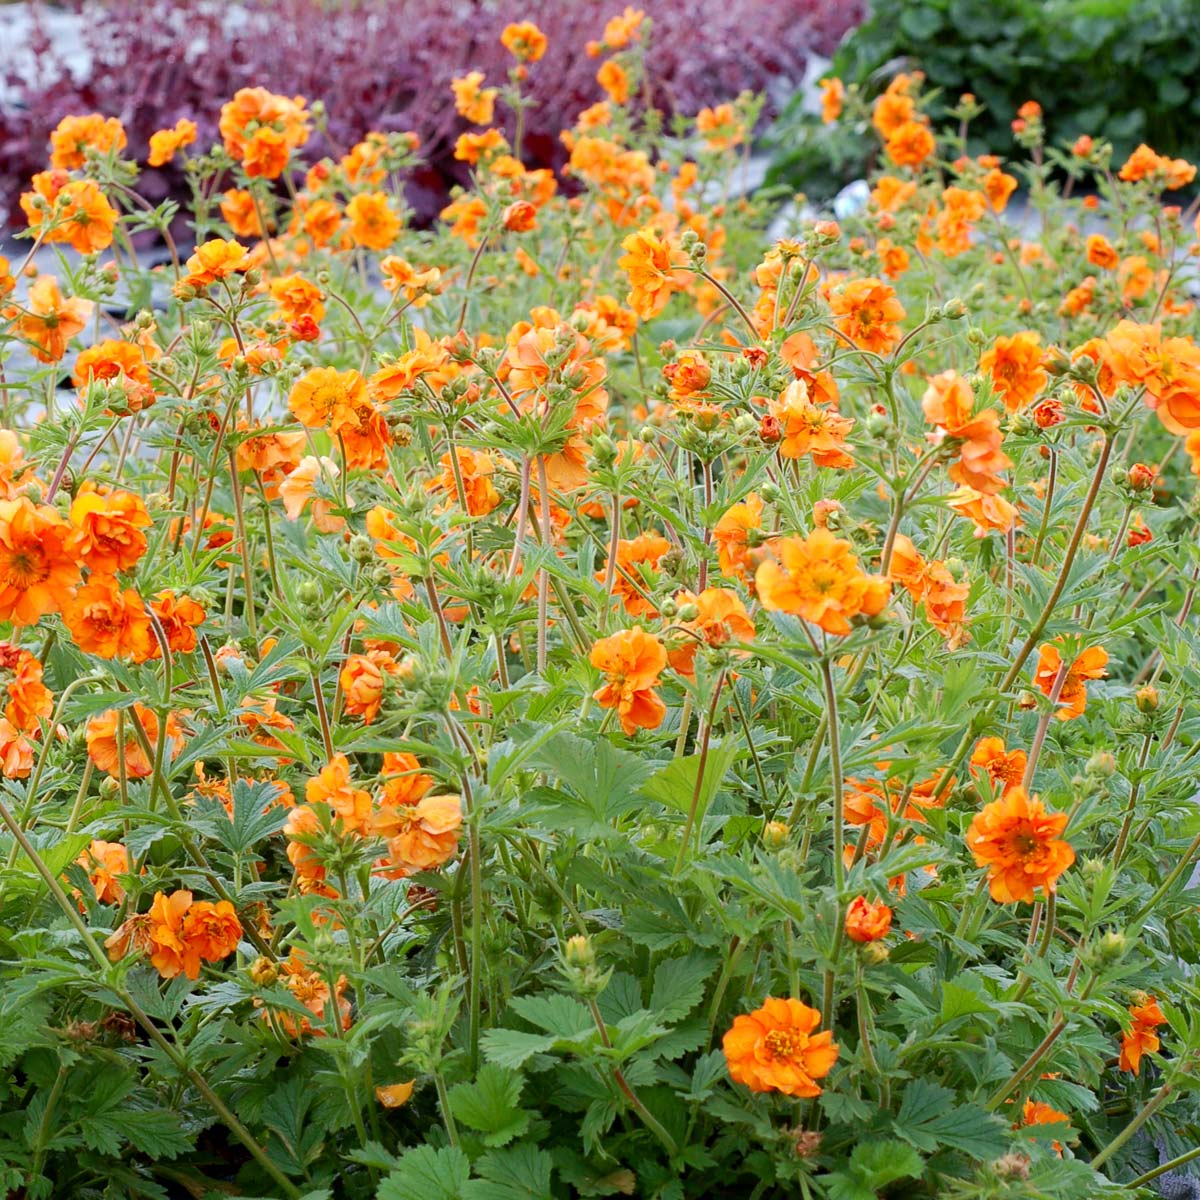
pixel 631 662
pixel 309 988
pixel 833 94
pixel 30 701
pixel 1091 664
pixel 867 922
pixel 1038 1113
pixel 166 143
pixel 811 429
pixel 732 535
pixel 298 488
pixel 179 617
pixel 932 585
pixel 1017 368
pixel 104 862
pixel 474 469
pixel 108 526
pixel 998 187
pixel 1141 1037
pixel 524 41
pixel 868 314
pixel 116 363
pixel 165 933
pixel 1192 446
pixel 298 297
pixel 1101 252
pixel 108 622
pixel 324 396
pixel 332 787
pixel 48 322
pixel 260 129
pixel 210 933
pixel 910 144
pixel 403 780
pixel 38 567
pixel 472 101
pixel 1020 844
pixel 1144 163
pixel 373 224
pixel 421 835
pixel 629 580
pixel 650 263
pixel 894 107
pixel 776 1049
pixel 213 260
pixel 1003 766
pixel 73 136
pixel 361 680
pixel 241 215
pixel 949 403
pixel 16 752
pixel 102 740
pixel 79 214
pixel 987 511
pixel 613 78
pixel 818 578
pixel 721 618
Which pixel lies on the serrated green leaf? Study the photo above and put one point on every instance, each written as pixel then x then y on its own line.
pixel 427 1174
pixel 491 1104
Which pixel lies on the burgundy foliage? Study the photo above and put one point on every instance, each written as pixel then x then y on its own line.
pixel 387 64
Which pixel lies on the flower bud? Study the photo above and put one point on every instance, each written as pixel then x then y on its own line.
pixel 1146 698
pixel 775 835
pixel 579 951
pixel 262 972
pixel 1102 764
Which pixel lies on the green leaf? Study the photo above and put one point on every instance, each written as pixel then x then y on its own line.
pixel 521 1172
pixel 679 986
pixel 428 1174
pixel 872 1166
pixel 512 1048
pixel 930 1120
pixel 491 1104
pixel 675 784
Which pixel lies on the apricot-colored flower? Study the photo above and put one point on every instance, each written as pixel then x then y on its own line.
pixel 1091 664
pixel 614 79
pixel 949 403
pixel 108 526
pixel 47 321
pixel 213 260
pixel 311 989
pixel 30 700
pixel 108 622
pixel 472 100
pixel 650 262
pixel 166 143
pixel 732 535
pixel 721 617
pixel 811 429
pixel 333 787
pixel 420 836
pixel 16 752
pixel 1144 163
pixel 373 223
pixel 362 681
pixel 165 933
pixel 833 94
pixel 524 41
pixel 868 314
pixel 1017 368
pixel 473 470
pixel 298 489
pixel 260 129
pixel 79 214
pixel 1036 1112
pixel 776 1049
pixel 819 579
pixel 867 922
pixel 105 862
pixel 629 581
pixel 102 740
pixel 180 617
pixel 210 932
pixel 910 144
pixel 1101 252
pixel 1020 843
pixel 74 135
pixel 1141 1037
pixel 115 362
pixel 988 511
pixel 631 662
pixel 932 585
pixel 1001 765
pixel 38 566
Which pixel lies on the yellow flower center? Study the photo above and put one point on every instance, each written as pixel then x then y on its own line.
pixel 782 1043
